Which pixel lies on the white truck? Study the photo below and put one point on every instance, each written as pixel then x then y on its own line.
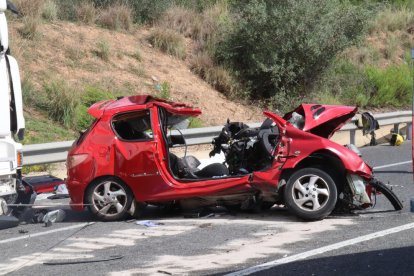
pixel 12 122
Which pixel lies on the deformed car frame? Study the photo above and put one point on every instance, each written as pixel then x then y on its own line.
pixel 124 161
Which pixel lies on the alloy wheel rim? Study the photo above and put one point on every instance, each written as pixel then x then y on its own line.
pixel 109 198
pixel 310 192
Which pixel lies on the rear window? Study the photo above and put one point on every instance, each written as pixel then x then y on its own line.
pixel 133 126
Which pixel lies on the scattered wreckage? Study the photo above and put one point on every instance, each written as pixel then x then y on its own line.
pixel 125 161
pixel 22 211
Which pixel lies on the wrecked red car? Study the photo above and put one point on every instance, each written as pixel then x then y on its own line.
pixel 125 160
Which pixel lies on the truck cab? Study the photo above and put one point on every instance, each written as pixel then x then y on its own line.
pixel 12 122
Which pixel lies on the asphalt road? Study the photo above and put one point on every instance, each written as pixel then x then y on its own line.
pixel 284 245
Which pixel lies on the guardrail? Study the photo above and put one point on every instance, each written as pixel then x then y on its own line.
pixel 57 151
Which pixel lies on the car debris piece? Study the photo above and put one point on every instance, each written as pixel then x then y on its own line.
pixel 62 190
pixel 54 216
pixel 8 222
pixel 43 183
pixel 58 196
pixel 149 223
pixel 85 261
pixel 164 272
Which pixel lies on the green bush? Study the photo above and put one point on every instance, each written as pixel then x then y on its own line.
pixel 67 10
pixel 148 11
pixel 276 46
pixel 392 86
pixel 62 102
pixel 342 83
pixel 90 96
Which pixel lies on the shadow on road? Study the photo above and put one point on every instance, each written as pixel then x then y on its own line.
pixel 395 261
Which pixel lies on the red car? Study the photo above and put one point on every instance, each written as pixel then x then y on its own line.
pixel 125 159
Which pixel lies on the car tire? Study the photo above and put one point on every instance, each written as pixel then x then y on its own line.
pixel 310 194
pixel 109 199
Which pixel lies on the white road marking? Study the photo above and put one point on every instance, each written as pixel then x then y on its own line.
pixel 46 232
pixel 321 250
pixel 392 165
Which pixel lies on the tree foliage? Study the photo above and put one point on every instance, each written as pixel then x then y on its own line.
pixel 278 46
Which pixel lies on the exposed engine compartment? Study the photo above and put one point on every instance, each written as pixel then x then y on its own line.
pixel 246 149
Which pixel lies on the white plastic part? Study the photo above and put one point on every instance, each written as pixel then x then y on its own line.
pixel 17 89
pixel 4 35
pixel 357 185
pixel 4 99
pixel 3 6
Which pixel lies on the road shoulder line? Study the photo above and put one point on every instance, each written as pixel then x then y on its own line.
pixel 321 250
pixel 46 232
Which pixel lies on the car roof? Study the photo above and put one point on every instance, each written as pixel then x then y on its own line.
pixel 138 102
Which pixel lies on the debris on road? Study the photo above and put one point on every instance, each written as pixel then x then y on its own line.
pixel 58 196
pixel 85 261
pixel 203 213
pixel 8 222
pixel 54 216
pixel 149 223
pixel 164 272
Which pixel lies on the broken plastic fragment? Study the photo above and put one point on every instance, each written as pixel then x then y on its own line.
pixel 148 223
pixel 54 216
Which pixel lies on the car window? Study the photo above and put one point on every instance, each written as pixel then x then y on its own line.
pixel 133 126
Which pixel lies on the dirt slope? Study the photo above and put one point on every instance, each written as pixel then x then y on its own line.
pixel 68 51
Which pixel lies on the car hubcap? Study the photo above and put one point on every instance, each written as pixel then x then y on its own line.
pixel 109 198
pixel 310 192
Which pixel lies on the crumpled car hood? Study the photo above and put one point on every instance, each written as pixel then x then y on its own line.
pixel 323 120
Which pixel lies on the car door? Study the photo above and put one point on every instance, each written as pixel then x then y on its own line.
pixel 135 149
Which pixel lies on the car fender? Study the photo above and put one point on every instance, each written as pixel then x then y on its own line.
pixel 301 145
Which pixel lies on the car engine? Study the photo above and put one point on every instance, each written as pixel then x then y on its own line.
pixel 246 149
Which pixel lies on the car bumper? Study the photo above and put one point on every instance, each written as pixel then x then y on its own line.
pixel 76 193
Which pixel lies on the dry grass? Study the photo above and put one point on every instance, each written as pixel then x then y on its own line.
pixel 29 29
pixel 103 50
pixel 216 76
pixel 50 10
pixel 392 19
pixel 86 13
pixel 117 17
pixel 201 27
pixel 182 20
pixel 30 8
pixel 169 42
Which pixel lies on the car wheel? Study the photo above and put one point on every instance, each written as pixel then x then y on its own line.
pixel 109 199
pixel 310 194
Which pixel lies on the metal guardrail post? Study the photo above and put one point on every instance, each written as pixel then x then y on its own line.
pixel 396 127
pixel 352 133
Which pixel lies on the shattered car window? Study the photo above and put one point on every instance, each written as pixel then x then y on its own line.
pixel 133 126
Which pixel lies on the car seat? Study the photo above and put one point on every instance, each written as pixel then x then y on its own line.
pixel 187 168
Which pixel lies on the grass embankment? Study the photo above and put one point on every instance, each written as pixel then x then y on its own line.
pixel 270 53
